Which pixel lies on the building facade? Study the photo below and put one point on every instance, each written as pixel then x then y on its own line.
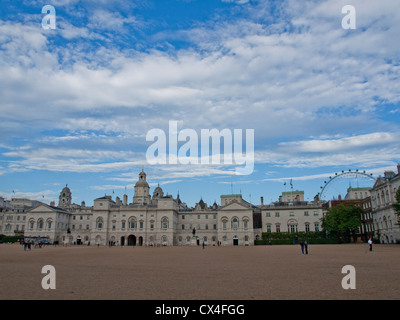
pixel 158 219
pixel 293 215
pixel 148 220
pixel 386 220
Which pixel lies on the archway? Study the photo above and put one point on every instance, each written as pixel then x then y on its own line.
pixel 131 240
pixel 140 241
pixel 235 241
pixel 122 241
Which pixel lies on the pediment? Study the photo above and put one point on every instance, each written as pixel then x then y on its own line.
pixel 43 208
pixel 235 206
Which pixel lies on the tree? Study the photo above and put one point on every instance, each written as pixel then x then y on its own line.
pixel 342 221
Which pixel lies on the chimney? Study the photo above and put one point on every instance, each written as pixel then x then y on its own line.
pixel 262 201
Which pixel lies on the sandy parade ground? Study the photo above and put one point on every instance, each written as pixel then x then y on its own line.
pixel 186 273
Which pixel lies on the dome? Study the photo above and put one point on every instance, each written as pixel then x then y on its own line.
pixel 142 183
pixel 142 180
pixel 158 192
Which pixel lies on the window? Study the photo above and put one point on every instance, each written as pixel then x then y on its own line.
pixel 99 223
pixel 306 213
pixel 317 227
pixel 198 217
pixel 164 223
pixel 291 214
pixel 206 226
pixel 268 214
pixel 268 228
pixel 183 227
pixel 235 223
pixel 307 227
pixel 132 223
pixel 278 228
pixel 123 225
pixel 215 227
pixel 40 224
pixel 141 224
pixel 246 224
pixel 183 217
pixel 276 214
pixel 315 213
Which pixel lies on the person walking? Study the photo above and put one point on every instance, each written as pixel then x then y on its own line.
pixel 306 246
pixel 370 244
pixel 302 247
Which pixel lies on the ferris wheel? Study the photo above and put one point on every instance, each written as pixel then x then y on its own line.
pixel 339 182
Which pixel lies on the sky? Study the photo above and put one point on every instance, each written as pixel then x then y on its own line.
pixel 77 102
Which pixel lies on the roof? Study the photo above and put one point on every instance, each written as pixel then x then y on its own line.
pixel 290 192
pixel 230 195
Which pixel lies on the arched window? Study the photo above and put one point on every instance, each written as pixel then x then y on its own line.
pixel 224 221
pixel 245 223
pixel 235 223
pixel 40 224
pixel 99 223
pixel 132 223
pixel 164 223
pixel 49 223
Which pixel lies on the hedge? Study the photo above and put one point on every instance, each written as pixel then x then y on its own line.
pixel 4 238
pixel 289 238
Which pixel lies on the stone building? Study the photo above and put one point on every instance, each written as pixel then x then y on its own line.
pixel 148 220
pixel 294 215
pixel 383 196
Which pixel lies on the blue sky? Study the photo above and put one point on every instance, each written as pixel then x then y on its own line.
pixel 77 101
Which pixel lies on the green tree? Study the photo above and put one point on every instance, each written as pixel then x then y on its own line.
pixel 342 221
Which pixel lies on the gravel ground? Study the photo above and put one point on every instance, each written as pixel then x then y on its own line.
pixel 189 273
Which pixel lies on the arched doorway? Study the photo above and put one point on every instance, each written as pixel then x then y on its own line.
pixel 131 240
pixel 140 241
pixel 235 241
pixel 122 241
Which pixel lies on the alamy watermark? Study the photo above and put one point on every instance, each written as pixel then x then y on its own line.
pixel 49 280
pixel 349 20
pixel 49 20
pixel 349 281
pixel 188 152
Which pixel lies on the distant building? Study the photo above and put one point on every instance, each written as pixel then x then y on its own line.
pixel 13 215
pixel 149 220
pixel 357 193
pixel 292 215
pixel 383 194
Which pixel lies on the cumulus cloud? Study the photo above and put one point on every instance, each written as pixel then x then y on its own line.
pixel 290 76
